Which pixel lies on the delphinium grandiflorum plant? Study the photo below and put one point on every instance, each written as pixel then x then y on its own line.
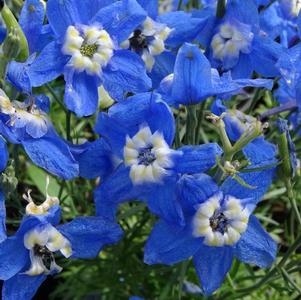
pixel 150 149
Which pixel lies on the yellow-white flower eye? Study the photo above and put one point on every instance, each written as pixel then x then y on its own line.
pixel 148 156
pixel 230 41
pixel 90 48
pixel 42 243
pixel 220 220
pixel 148 41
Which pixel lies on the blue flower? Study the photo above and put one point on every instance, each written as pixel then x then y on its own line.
pixel 139 133
pixel 236 42
pixel 28 257
pixel 157 36
pixel 219 227
pixel 280 20
pixel 27 123
pixel 85 50
pixel 194 80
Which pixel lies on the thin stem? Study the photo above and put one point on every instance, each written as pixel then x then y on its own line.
pixel 220 8
pixel 289 106
pixel 180 4
pixel 290 194
pixel 56 98
pixel 191 125
pixel 68 126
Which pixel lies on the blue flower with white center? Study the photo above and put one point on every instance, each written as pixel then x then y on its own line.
pixel 148 41
pixel 219 227
pixel 84 49
pixel 193 80
pixel 232 39
pixel 27 123
pixel 28 257
pixel 136 136
pixel 158 35
pixel 236 42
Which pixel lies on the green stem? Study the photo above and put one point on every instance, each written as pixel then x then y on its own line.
pixel 56 98
pixel 291 197
pixel 68 126
pixel 180 4
pixel 191 125
pixel 220 8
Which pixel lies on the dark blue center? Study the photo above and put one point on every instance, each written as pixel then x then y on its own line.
pixel 146 157
pixel 219 222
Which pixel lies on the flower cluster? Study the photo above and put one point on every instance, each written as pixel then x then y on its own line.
pixel 147 77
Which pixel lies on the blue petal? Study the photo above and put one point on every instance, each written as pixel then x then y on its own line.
pixel 246 13
pixel 31 21
pixel 197 159
pixel 121 18
pixel 52 154
pixel 212 264
pixel 48 66
pixel 185 27
pixel 42 102
pixel 88 235
pixel 243 68
pixel 94 158
pixel 126 71
pixel 13 257
pixel 192 76
pixel 169 244
pixel 256 246
pixel 164 65
pixel 264 56
pixel 226 87
pixel 117 188
pixel 61 14
pixel 3 154
pixel 113 131
pixel 162 201
pixel 193 190
pixel 81 93
pixel 2 217
pixel 22 287
pixel 145 108
pixel 17 74
pixel 151 7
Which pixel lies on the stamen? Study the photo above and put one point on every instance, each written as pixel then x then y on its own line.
pixel 146 157
pixel 46 255
pixel 88 50
pixel 138 41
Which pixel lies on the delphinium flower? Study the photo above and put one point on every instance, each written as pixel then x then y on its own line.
pixel 235 42
pixel 193 80
pixel 140 132
pixel 156 37
pixel 27 123
pixel 279 20
pixel 219 222
pixel 28 257
pixel 85 50
pixel 220 226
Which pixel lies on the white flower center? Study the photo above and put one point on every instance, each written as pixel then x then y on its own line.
pixel 42 243
pixel 91 48
pixel 231 40
pixel 220 224
pixel 148 41
pixel 23 115
pixel 296 7
pixel 148 155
